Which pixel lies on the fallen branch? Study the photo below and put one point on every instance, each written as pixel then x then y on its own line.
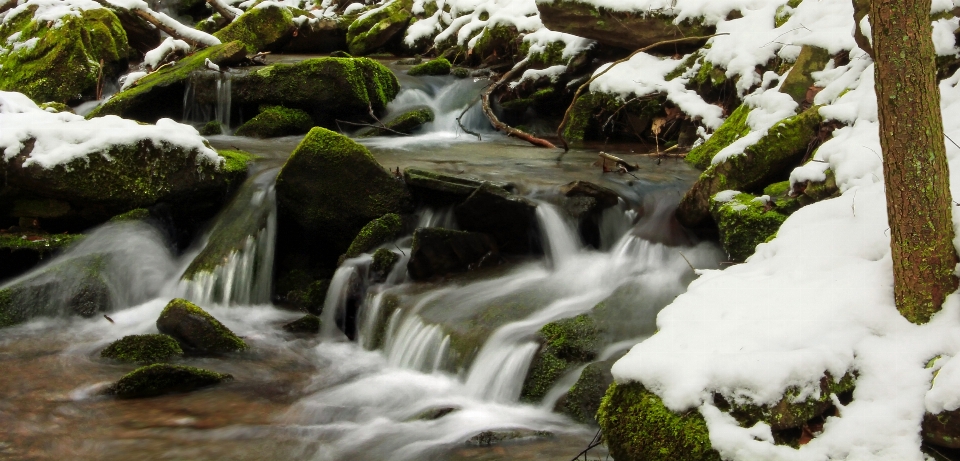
pixel 169 26
pixel 597 440
pixel 500 126
pixel 229 13
pixel 566 115
pixel 619 161
pixel 380 127
pixel 465 129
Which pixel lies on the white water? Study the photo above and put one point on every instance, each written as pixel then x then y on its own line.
pixel 224 99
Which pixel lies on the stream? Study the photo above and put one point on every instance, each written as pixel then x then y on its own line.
pixel 424 378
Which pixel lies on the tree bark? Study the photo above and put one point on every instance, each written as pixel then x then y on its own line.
pixel 915 170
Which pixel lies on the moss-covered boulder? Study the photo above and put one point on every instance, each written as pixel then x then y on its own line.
pixel 744 221
pixel 211 128
pixel 329 189
pixel 377 28
pixel 261 28
pixel 791 411
pixel 510 219
pixel 163 378
pixel 377 232
pixel 274 121
pixel 564 344
pixel 382 264
pixel 800 79
pixel 591 112
pixel 439 66
pixel 637 426
pixel 622 29
pixel 143 349
pixel 404 123
pixel 768 160
pixel 72 286
pixel 60 60
pixel 22 250
pixel 196 330
pixel 309 324
pixel 733 128
pixel 437 252
pixel 584 397
pixel 438 189
pixel 160 94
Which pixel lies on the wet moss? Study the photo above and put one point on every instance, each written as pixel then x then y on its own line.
pixel 39 242
pixel 565 344
pixel 366 35
pixel 439 66
pixel 800 79
pixel 733 128
pixel 460 72
pixel 637 426
pixel 162 378
pixel 377 232
pixel 9 315
pixel 236 161
pixel 211 128
pixel 583 399
pixel 383 261
pixel 404 123
pixel 197 330
pixel 143 349
pixel 275 121
pixel 64 61
pixel 260 29
pixel 745 223
pixel 136 214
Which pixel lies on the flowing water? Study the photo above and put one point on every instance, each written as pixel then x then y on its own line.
pixel 436 368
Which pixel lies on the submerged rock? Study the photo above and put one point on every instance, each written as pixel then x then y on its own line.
pixel 196 330
pixel 744 222
pixel 377 28
pixel 377 232
pixel 307 324
pixel 510 219
pixel 162 378
pixel 438 189
pixel 143 349
pixel 439 66
pixel 275 121
pixel 436 252
pixel 261 28
pixel 60 60
pixel 405 123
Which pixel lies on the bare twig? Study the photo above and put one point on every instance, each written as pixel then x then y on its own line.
pixel 688 261
pixel 619 161
pixel 500 126
pixel 465 129
pixel 597 440
pixel 380 127
pixel 100 81
pixel 566 115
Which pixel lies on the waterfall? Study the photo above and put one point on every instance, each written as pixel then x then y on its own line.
pixel 341 287
pixel 224 96
pixel 415 345
pixel 560 237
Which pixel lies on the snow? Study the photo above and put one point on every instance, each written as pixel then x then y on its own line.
pixel 51 10
pixel 353 8
pixel 154 57
pixel 128 80
pixel 62 137
pixel 463 20
pixel 183 30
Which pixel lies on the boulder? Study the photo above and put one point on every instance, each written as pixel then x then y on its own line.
pixel 791 411
pixel 143 349
pixel 438 189
pixel 382 264
pixel 377 232
pixel 60 60
pixel 211 128
pixel 196 330
pixel 439 66
pixel 163 378
pixel 379 27
pixel 604 197
pixel 585 202
pixel 322 35
pixel 328 190
pixel 307 324
pixel 510 219
pixel 798 82
pixel 564 344
pixel 583 399
pixel 623 29
pixel 20 250
pixel 769 159
pixel 160 94
pixel 275 121
pixel 732 129
pixel 437 252
pixel 141 35
pixel 73 286
pixel 261 28
pixel 744 222
pixel 406 123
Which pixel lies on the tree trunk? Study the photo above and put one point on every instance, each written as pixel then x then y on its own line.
pixel 915 171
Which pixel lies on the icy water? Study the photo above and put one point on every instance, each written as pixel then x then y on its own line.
pixel 379 397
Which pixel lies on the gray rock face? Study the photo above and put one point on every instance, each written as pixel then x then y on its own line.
pixel 438 252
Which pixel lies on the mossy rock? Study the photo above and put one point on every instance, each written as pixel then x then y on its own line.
pixel 439 66
pixel 21 251
pixel 744 223
pixel 405 123
pixel 136 214
pixel 497 41
pixel 309 324
pixel 211 128
pixel 160 94
pixel 564 345
pixel 162 378
pixel 437 252
pixel 438 189
pixel 383 262
pixel 143 349
pixel 768 160
pixel 72 286
pixel 56 107
pixel 637 426
pixel 779 193
pixel 591 110
pixel 800 79
pixel 460 72
pixel 275 121
pixel 510 219
pixel 374 30
pixel 583 399
pixel 329 189
pixel 260 28
pixel 732 129
pixel 551 55
pixel 791 412
pixel 815 191
pixel 63 64
pixel 197 331
pixel 377 232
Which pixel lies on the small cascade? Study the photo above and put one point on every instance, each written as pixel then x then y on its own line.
pixel 195 111
pixel 343 284
pixel 414 345
pixel 224 97
pixel 560 237
pixel 443 218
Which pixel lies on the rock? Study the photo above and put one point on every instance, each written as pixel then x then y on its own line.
pixel 564 344
pixel 942 429
pixel 63 63
pixel 211 128
pixel 196 330
pixel 583 399
pixel 791 412
pixel 143 349
pixel 510 219
pixel 744 222
pixel 20 251
pixel 605 197
pixel 160 94
pixel 497 43
pixel 195 9
pixel 436 252
pixel 329 189
pixel 307 324
pixel 814 191
pixel 382 264
pixel 56 107
pixel 73 286
pixel 439 66
pixel 591 111
pixel 266 28
pixel 622 29
pixel 460 72
pixel 800 79
pixel 585 203
pixel 487 438
pixel 406 122
pixel 141 35
pixel 162 378
pixel 438 189
pixel 637 426
pixel 92 297
pixel 275 121
pixel 733 128
pixel 321 36
pixel 771 158
pixel 377 232
pixel 378 27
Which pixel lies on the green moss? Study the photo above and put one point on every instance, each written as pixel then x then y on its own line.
pixel 275 121
pixel 498 39
pixel 366 35
pixel 637 426
pixel 592 109
pixel 566 343
pixel 790 411
pixel 162 378
pixel 551 55
pixel 259 28
pixel 143 349
pixel 439 66
pixel 708 73
pixel 406 122
pixel 56 107
pixel 683 67
pixel 733 128
pixel 136 214
pixel 9 315
pixel 460 72
pixel 383 261
pixel 798 81
pixel 64 62
pixel 584 397
pixel 744 223
pixel 211 128
pixel 374 234
pixel 41 243
pixel 218 338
